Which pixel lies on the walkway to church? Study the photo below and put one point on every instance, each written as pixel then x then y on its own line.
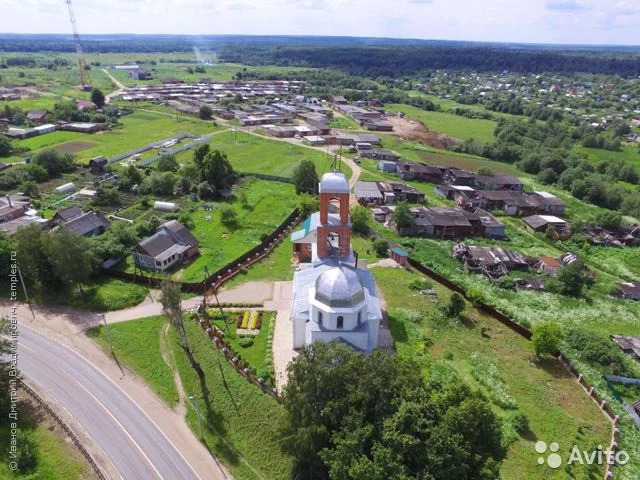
pixel 283 351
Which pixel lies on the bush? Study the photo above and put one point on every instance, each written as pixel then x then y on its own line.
pixel 420 284
pixel 246 342
pixel 228 216
pixel 546 338
pixel 381 247
pixel 520 422
pixel 596 349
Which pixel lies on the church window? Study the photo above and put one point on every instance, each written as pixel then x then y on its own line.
pixel 340 322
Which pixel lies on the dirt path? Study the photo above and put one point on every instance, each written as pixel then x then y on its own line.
pixel 249 292
pixel 116 82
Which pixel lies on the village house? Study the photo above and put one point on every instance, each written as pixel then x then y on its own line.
pixel 493 262
pixel 12 207
pixel 452 223
pixel 419 171
pixel 387 166
pixel 455 176
pixel 451 192
pixel 87 224
pixel 83 105
pixel 172 243
pixel 498 182
pixel 540 223
pixel 37 116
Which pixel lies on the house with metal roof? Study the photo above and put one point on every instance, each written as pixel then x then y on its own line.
pixel 87 224
pixel 171 244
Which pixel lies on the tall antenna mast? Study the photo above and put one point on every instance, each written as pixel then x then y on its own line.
pixel 84 78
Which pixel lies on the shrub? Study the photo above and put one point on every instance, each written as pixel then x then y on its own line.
pixel 596 349
pixel 381 246
pixel 246 342
pixel 448 355
pixel 520 422
pixel 420 284
pixel 228 216
pixel 546 338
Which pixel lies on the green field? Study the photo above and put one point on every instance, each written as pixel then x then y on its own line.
pixel 551 399
pixel 455 126
pixel 627 153
pixel 257 154
pixel 240 421
pixel 275 267
pixel 137 129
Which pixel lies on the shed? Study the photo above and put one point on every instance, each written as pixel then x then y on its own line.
pixel 398 255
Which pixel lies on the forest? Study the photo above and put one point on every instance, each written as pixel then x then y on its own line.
pixel 369 57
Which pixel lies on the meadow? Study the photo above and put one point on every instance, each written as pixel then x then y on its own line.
pixel 450 124
pixel 136 130
pixel 490 357
pixel 252 153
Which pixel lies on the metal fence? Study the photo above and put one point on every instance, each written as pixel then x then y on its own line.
pixel 173 151
pixel 149 146
pixel 76 441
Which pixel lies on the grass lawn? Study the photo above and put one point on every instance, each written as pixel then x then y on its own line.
pixel 240 421
pixel 255 154
pixel 269 204
pixel 56 457
pixel 137 345
pixel 627 153
pixel 138 129
pixel 552 401
pixel 106 294
pixel 275 267
pixel 448 123
pixel 259 354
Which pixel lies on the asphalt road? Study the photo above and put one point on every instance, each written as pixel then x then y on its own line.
pixel 133 443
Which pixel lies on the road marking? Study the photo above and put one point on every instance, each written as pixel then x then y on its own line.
pixel 126 395
pixel 63 371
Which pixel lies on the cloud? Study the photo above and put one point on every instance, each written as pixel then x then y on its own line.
pixel 421 1
pixel 564 5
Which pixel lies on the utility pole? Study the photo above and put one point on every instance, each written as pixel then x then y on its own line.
pixel 204 290
pixel 24 289
pixel 194 400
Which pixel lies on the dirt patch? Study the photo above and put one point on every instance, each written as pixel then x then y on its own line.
pixel 417 131
pixel 73 147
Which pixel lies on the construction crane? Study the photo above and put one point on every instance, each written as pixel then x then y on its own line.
pixel 84 78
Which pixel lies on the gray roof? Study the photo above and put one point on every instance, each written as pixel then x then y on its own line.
pixel 86 223
pixel 339 287
pixel 448 217
pixel 181 231
pixel 171 237
pixel 305 279
pixel 367 190
pixel 68 213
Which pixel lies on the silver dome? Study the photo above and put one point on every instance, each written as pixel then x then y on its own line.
pixel 334 182
pixel 339 287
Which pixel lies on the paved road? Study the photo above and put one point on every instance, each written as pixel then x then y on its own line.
pixel 133 443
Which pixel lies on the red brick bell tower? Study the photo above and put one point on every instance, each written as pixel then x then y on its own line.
pixel 334 230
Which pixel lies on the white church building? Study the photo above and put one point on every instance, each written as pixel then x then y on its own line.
pixel 333 299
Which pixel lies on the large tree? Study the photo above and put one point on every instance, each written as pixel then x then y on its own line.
pixel 360 219
pixel 305 177
pixel 97 97
pixel 69 256
pixel 216 170
pixel 354 417
pixel 402 215
pixel 54 163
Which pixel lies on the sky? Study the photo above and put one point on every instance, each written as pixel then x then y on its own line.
pixel 529 21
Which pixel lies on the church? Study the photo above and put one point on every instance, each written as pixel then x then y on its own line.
pixel 333 299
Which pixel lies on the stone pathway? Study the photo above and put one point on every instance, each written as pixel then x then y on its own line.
pixel 283 351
